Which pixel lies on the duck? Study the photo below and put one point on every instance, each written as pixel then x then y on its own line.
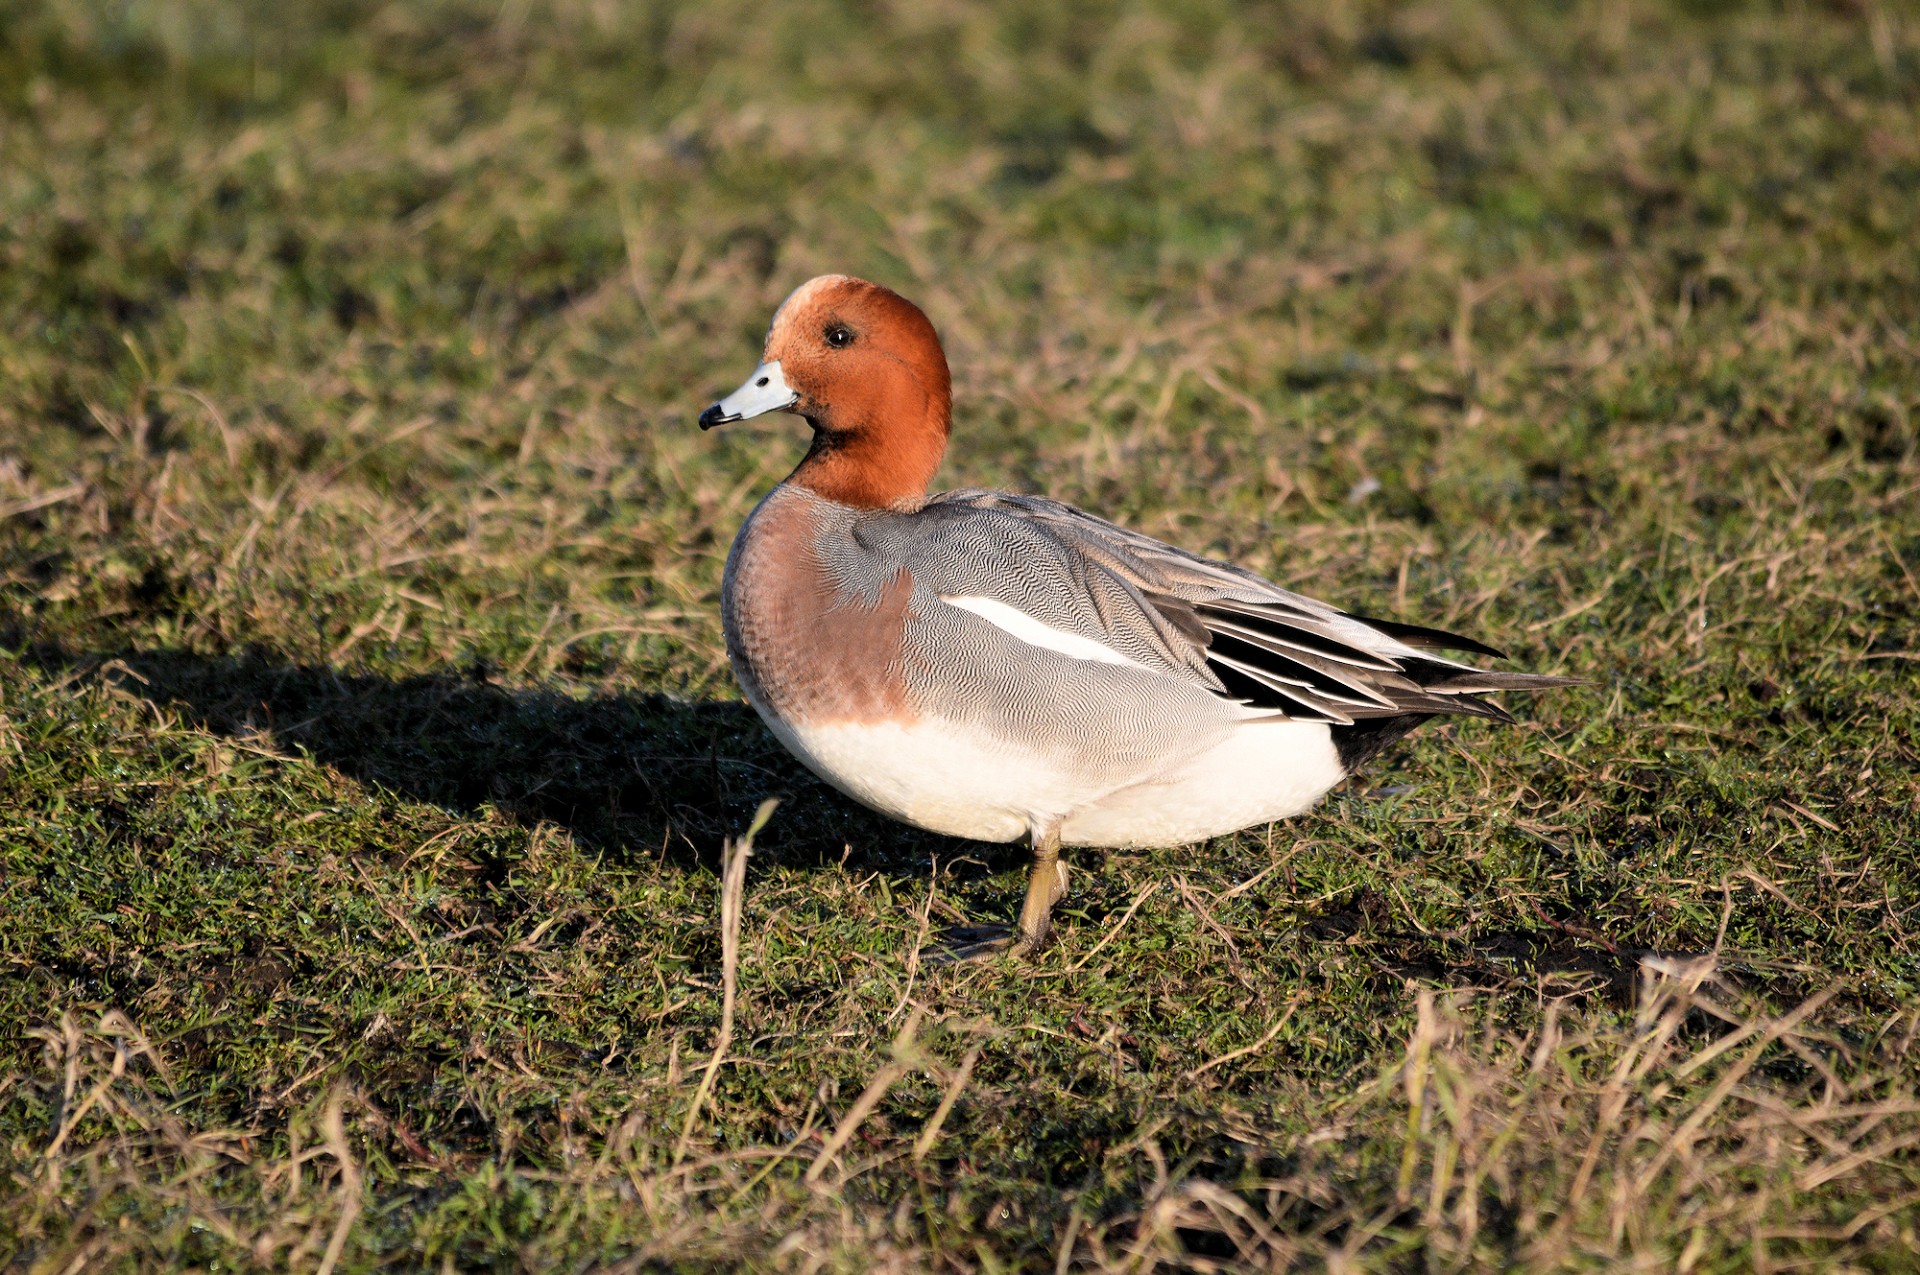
pixel 1006 667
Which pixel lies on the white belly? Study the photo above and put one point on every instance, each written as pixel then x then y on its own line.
pixel 932 776
pixel 961 783
pixel 1263 771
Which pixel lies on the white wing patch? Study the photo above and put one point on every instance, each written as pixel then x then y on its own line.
pixel 1011 619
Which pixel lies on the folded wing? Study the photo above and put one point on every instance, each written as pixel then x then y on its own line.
pixel 1225 628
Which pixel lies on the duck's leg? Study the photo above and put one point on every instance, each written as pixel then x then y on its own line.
pixel 1046 886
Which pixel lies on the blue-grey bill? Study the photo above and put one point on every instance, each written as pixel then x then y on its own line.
pixel 765 391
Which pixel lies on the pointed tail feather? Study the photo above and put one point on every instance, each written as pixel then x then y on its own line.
pixel 1486 680
pixel 1420 635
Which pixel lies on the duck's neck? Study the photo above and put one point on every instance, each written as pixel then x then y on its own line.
pixel 881 458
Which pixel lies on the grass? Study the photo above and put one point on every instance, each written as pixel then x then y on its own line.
pixel 367 751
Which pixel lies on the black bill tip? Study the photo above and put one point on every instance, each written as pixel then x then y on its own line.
pixel 714 415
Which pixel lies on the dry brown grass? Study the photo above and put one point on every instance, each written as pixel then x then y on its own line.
pixel 1559 1148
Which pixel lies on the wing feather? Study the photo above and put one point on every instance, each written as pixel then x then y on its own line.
pixel 1237 634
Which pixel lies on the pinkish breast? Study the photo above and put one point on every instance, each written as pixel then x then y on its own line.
pixel 803 648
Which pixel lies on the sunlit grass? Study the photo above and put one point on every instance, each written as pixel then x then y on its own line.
pixel 367 745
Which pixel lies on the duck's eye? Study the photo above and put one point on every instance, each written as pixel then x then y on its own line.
pixel 839 335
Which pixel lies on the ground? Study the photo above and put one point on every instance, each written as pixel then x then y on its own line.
pixel 368 752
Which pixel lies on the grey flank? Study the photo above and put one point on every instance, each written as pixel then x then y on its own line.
pixel 1211 644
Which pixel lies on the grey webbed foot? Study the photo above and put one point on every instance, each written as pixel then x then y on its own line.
pixel 969 943
pixel 1046 886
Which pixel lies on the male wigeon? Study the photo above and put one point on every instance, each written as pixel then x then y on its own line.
pixel 995 666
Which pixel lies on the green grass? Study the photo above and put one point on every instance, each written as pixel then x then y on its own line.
pixel 367 747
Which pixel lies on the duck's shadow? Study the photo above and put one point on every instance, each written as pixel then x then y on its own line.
pixel 636 777
pixel 630 775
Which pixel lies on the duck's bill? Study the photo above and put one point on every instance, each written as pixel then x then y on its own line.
pixel 765 391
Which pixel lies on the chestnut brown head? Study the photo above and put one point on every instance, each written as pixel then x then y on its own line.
pixel 864 366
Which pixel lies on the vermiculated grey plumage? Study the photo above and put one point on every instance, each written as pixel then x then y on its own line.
pixel 1222 630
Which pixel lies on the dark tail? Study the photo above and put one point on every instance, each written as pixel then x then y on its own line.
pixel 1444 688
